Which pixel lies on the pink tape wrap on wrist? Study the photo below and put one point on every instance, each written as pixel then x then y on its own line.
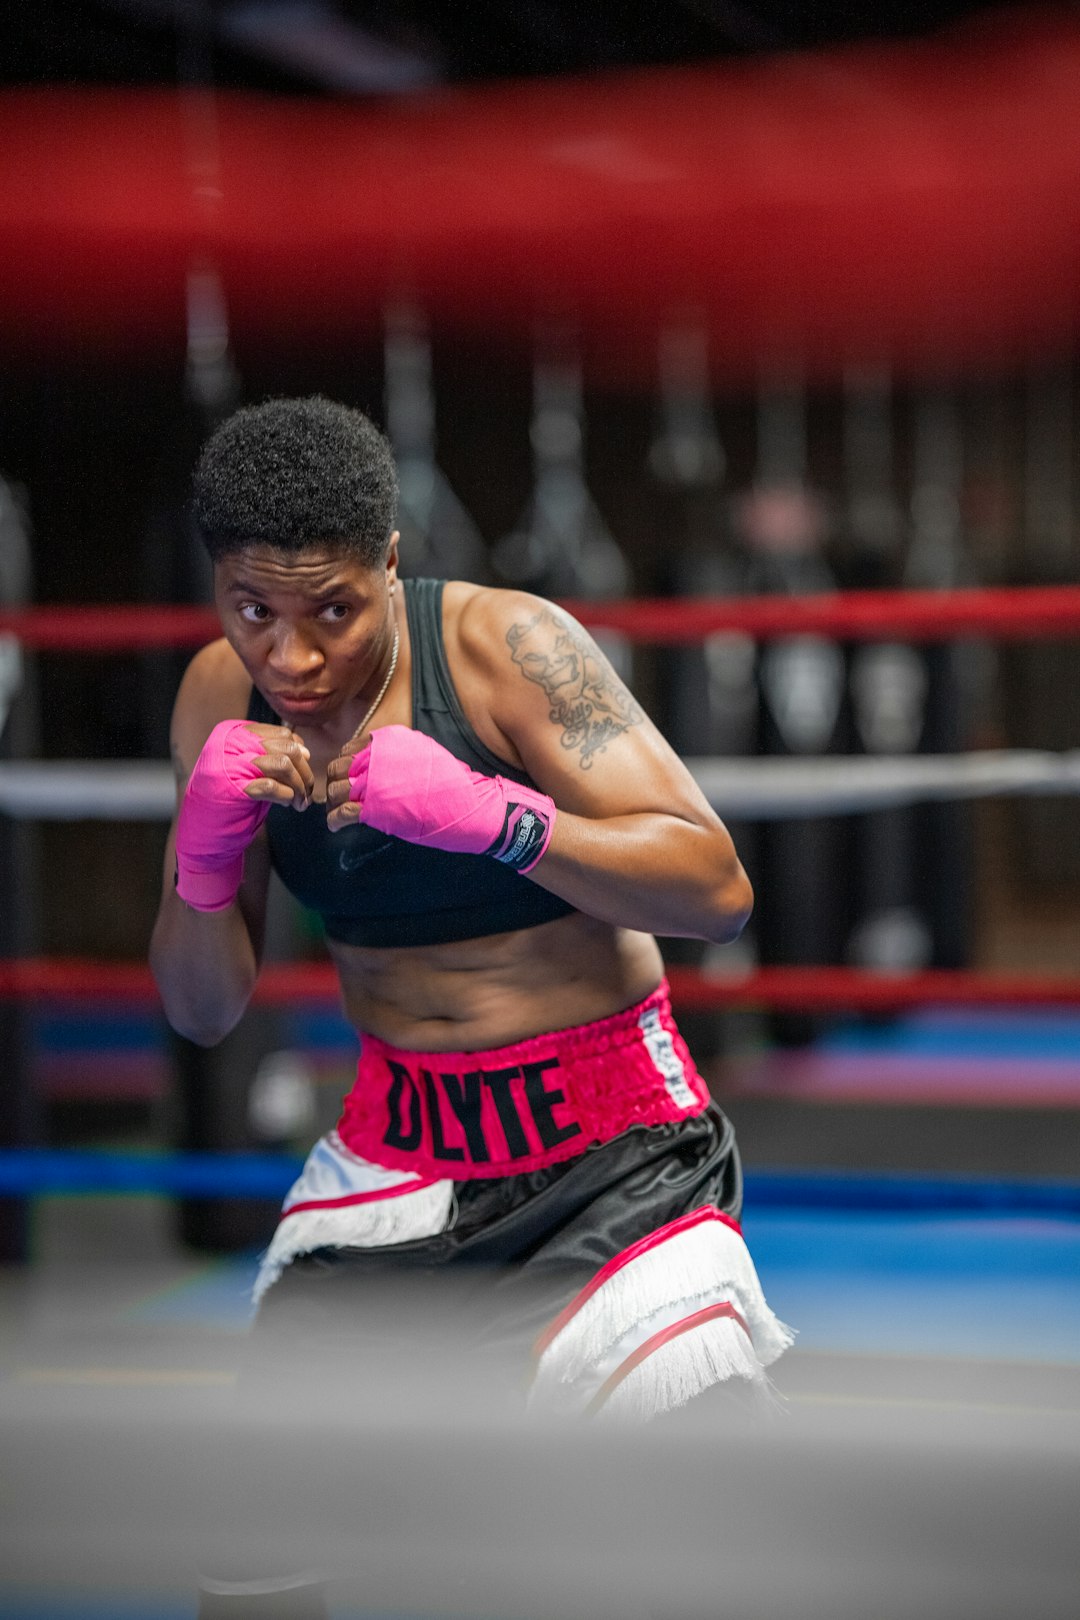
pixel 409 785
pixel 218 819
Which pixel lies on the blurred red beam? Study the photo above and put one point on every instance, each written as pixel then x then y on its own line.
pixel 804 989
pixel 913 203
pixel 1013 614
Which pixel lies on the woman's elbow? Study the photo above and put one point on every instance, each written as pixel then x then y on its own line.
pixel 732 909
pixel 201 1025
pixel 198 1031
pixel 199 1017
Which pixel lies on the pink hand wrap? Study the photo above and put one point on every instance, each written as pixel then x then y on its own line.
pixel 411 786
pixel 217 819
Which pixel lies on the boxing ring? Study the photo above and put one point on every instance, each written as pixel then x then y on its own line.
pixel 926 1459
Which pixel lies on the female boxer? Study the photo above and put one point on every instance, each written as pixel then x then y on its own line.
pixel 456 781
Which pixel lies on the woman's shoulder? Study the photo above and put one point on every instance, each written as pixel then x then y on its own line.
pixel 484 619
pixel 216 671
pixel 215 687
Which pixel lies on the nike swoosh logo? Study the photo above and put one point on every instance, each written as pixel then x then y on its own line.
pixel 350 859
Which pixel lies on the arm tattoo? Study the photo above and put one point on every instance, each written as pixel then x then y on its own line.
pixel 587 698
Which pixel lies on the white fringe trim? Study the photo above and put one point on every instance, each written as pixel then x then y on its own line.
pixel 684 1367
pixel 702 1265
pixel 385 1215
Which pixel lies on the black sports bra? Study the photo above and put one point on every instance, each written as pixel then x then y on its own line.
pixel 374 889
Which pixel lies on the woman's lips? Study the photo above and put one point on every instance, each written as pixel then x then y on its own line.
pixel 299 700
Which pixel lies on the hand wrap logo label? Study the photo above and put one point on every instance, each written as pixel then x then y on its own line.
pixel 524 833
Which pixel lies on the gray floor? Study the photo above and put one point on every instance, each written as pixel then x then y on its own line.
pixel 887 1486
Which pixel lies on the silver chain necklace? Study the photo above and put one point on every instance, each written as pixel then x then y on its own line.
pixel 383 689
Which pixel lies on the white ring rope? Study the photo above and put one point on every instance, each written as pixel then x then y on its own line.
pixel 88 790
pixel 771 789
pixel 762 789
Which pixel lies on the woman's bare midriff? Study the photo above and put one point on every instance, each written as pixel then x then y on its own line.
pixel 476 994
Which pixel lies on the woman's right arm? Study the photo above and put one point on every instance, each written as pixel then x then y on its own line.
pixel 206 961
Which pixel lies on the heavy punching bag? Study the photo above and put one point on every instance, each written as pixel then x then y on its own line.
pixel 781 525
pixel 561 545
pixel 1044 676
pixel 439 539
pixel 937 559
pixel 888 685
pixel 708 693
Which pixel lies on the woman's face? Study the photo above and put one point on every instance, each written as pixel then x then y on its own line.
pixel 312 628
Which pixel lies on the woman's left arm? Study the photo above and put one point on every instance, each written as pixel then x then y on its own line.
pixel 635 842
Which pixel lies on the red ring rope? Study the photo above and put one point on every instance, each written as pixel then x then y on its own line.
pixel 806 989
pixel 1013 614
pixel 862 614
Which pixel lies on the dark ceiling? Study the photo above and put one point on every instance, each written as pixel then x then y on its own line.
pixel 388 46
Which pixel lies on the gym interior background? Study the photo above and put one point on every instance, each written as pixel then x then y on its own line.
pixel 693 470
pixel 725 301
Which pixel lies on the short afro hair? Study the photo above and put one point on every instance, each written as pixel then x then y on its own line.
pixel 296 473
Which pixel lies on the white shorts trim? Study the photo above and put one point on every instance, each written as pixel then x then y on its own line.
pixel 340 1200
pixel 703 1263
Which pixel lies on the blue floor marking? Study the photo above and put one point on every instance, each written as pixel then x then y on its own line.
pixel 943 1034
pixel 1006 1288
pixel 219 1297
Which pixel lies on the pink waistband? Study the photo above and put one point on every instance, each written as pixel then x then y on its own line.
pixel 460 1115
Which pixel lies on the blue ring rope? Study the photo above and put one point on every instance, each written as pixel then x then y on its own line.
pixel 29 1172
pixel 909 1193
pixel 36 1172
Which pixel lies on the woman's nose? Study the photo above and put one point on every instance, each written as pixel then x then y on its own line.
pixel 292 652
